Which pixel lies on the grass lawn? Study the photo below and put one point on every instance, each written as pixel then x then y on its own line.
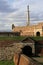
pixel 13 38
pixel 37 38
pixel 20 38
pixel 6 63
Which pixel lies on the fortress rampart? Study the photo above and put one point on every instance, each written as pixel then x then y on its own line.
pixel 33 30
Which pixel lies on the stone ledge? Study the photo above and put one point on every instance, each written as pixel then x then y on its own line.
pixel 24 60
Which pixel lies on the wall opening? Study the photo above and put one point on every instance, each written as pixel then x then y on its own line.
pixel 37 33
pixel 27 50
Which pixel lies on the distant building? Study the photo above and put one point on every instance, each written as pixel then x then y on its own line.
pixel 11 34
pixel 32 30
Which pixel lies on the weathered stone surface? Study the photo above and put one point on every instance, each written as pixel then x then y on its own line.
pixel 24 60
pixel 7 52
pixel 30 30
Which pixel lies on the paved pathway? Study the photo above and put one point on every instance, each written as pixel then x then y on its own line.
pixel 39 59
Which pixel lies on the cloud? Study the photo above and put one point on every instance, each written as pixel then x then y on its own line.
pixel 5 7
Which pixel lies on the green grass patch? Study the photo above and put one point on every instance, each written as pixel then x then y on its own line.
pixel 20 38
pixel 37 38
pixel 6 63
pixel 13 38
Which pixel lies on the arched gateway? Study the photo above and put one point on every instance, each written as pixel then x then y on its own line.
pixel 27 50
pixel 38 33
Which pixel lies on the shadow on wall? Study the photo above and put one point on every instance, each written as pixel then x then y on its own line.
pixel 38 48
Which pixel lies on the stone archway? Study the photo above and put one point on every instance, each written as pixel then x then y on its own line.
pixel 38 33
pixel 27 50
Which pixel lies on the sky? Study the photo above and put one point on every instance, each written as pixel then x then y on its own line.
pixel 15 12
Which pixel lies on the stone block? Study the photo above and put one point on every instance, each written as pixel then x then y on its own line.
pixel 24 60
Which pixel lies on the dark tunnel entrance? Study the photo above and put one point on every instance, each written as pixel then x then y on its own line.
pixel 38 34
pixel 27 50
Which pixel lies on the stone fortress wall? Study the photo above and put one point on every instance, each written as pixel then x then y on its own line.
pixel 32 30
pixel 7 52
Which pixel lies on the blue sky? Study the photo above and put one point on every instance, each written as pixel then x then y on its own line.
pixel 15 12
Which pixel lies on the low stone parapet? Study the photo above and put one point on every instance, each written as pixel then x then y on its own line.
pixel 24 60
